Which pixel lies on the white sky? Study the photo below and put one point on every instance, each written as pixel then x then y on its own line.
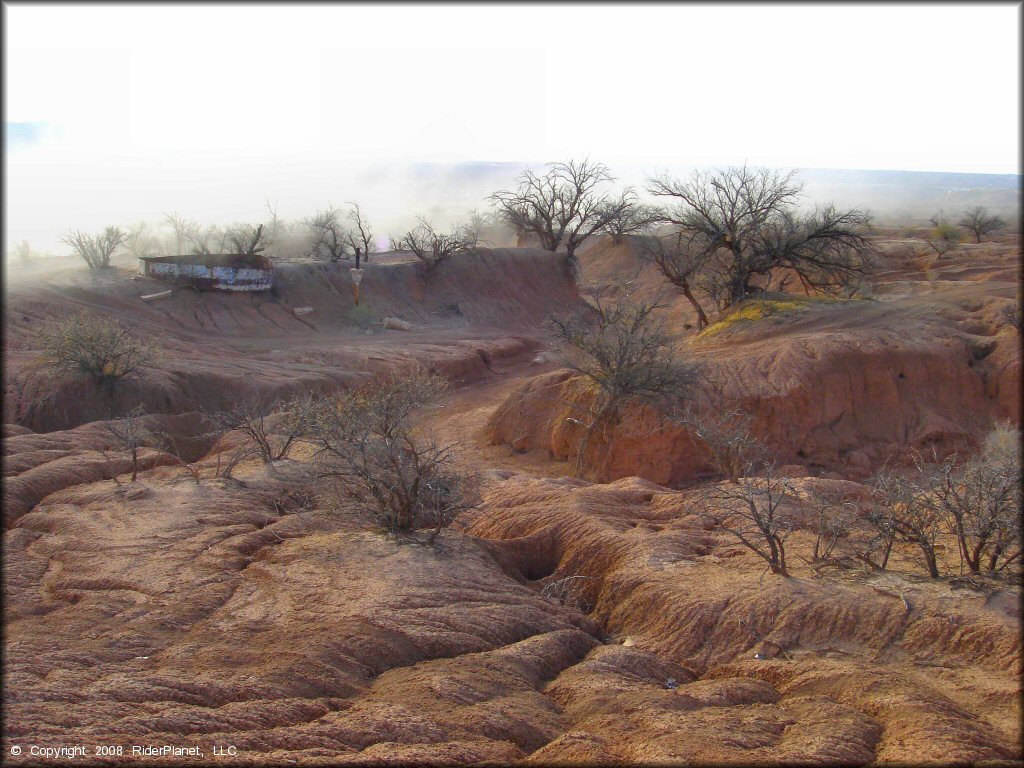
pixel 209 109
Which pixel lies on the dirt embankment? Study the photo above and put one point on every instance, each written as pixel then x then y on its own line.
pixel 253 612
pixel 213 348
pixel 833 385
pixel 233 612
pixel 724 665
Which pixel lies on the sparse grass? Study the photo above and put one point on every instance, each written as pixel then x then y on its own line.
pixel 757 309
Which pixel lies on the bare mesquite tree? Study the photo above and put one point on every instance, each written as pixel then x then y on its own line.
pixel 139 241
pixel 368 442
pixel 330 235
pixel 750 216
pixel 939 218
pixel 130 434
pixel 563 206
pixel 247 239
pixel 728 436
pixel 757 511
pixel 253 415
pixel 622 352
pixel 96 250
pixel 903 511
pixel 432 246
pixel 683 263
pixel 634 218
pixel 102 348
pixel 207 240
pixel 184 229
pixel 979 222
pixel 943 238
pixel 833 515
pixel 980 499
pixel 359 235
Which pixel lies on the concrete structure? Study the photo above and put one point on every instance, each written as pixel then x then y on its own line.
pixel 219 271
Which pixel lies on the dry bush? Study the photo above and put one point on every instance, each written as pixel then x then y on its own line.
pixel 630 218
pixel 754 511
pixel 1010 314
pixel 902 511
pixel 980 500
pixel 100 347
pixel 944 238
pixel 833 515
pixel 294 420
pixel 570 591
pixel 977 500
pixel 96 250
pixel 433 247
pixel 130 434
pixel 366 440
pixel 169 443
pixel 732 446
pixel 622 352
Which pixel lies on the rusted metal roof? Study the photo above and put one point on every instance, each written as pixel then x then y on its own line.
pixel 235 260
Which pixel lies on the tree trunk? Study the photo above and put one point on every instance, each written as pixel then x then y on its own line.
pixel 929 558
pixel 993 558
pixel 702 319
pixel 781 558
pixel 885 556
pixel 570 257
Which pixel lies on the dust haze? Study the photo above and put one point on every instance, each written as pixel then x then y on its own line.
pixel 512 385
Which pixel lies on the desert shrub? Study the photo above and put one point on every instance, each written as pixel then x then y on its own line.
pixel 623 354
pixel 433 247
pixel 96 250
pixel 833 515
pixel 130 434
pixel 731 444
pixel 570 591
pixel 757 512
pixel 902 510
pixel 100 347
pixel 362 316
pixel 944 238
pixel 1010 314
pixel 294 421
pixel 366 440
pixel 980 500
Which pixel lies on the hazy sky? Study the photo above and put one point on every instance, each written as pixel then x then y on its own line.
pixel 127 111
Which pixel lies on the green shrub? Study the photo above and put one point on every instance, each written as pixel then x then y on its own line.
pixel 103 348
pixel 362 315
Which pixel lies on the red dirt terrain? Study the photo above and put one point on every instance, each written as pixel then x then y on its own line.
pixel 252 613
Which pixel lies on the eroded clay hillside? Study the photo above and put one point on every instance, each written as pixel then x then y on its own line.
pixel 603 620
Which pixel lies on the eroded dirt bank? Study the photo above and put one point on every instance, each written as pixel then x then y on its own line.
pixel 252 612
pixel 213 347
pixel 832 385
